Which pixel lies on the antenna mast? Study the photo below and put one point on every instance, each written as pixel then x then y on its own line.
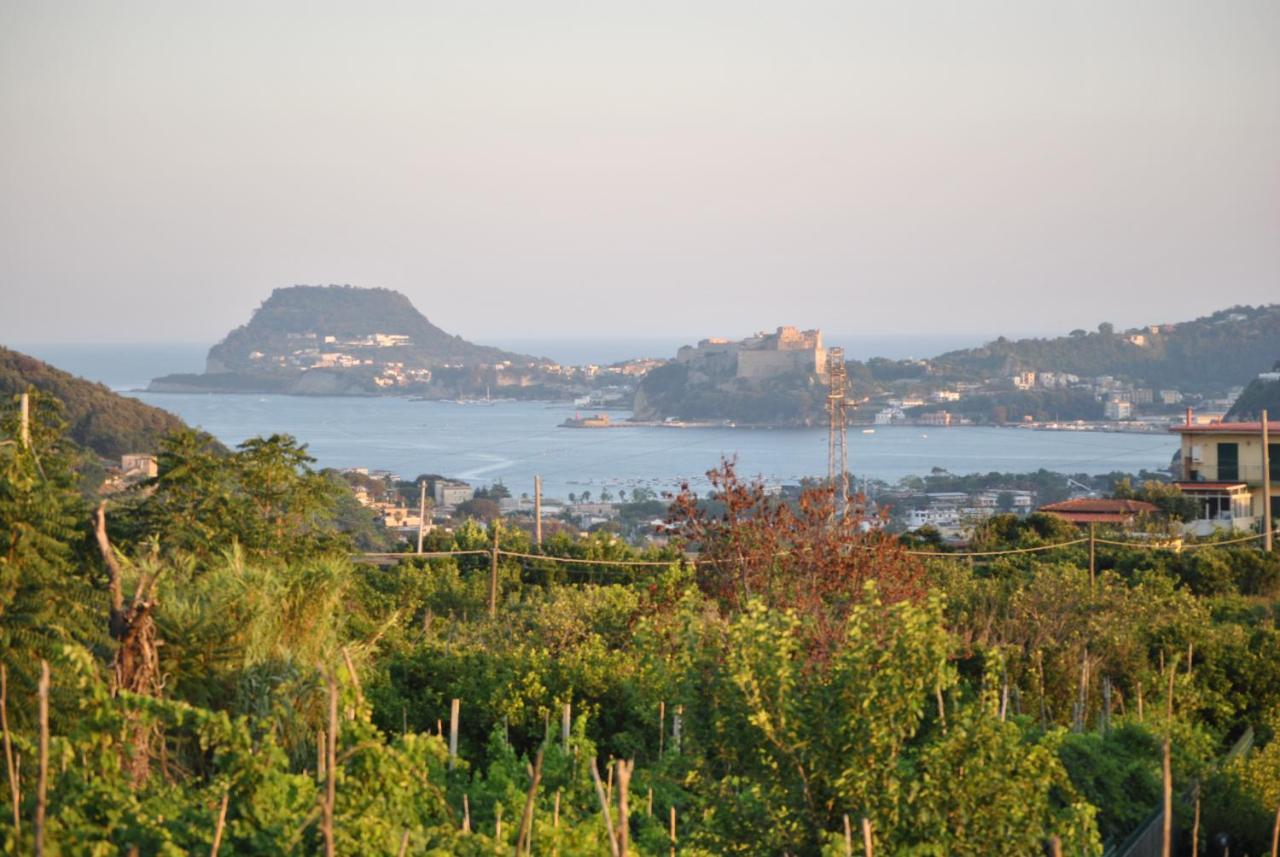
pixel 837 435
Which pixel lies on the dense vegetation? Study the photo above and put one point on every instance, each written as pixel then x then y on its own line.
pixel 1259 396
pixel 97 419
pixel 220 671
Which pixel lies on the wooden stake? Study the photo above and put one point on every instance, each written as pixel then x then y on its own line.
pixel 404 844
pixel 11 768
pixel 1267 542
pixel 1275 835
pixel 866 837
pixel 555 812
pixel 604 808
pixel 24 420
pixel 662 727
pixel 466 813
pixel 1166 834
pixel 42 775
pixel 355 677
pixel 624 810
pixel 493 571
pixel 523 840
pixel 566 724
pixel 673 831
pixel 1195 826
pixel 537 510
pixel 1093 559
pixel 454 711
pixel 1055 845
pixel 221 824
pixel 422 513
pixel 848 837
pixel 331 765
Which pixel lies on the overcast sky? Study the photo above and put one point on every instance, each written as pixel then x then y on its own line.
pixel 540 169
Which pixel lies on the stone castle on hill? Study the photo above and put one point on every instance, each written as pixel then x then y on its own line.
pixel 786 351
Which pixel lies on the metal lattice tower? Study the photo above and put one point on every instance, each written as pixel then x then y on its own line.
pixel 837 435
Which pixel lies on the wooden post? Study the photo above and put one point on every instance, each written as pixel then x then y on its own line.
pixel 604 808
pixel 1166 834
pixel 422 512
pixel 42 774
pixel 555 812
pixel 866 837
pixel 24 429
pixel 662 727
pixel 673 831
pixel 524 841
pixel 221 825
pixel 1275 835
pixel 493 572
pixel 1266 485
pixel 11 769
pixel 1055 845
pixel 466 813
pixel 624 810
pixel 537 510
pixel 1093 558
pixel 331 764
pixel 454 710
pixel 566 724
pixel 1195 826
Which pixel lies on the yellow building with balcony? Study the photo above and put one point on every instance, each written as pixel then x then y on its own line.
pixel 1222 466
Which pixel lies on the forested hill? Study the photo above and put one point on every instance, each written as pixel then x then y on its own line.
pixel 1261 395
pixel 105 422
pixel 286 320
pixel 1205 355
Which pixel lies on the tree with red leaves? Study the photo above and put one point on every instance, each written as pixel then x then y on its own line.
pixel 800 556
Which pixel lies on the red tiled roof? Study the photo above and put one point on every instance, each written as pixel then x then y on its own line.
pixel 1101 506
pixel 1225 428
pixel 1091 510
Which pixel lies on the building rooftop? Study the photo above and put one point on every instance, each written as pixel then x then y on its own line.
pixel 1090 510
pixel 1218 428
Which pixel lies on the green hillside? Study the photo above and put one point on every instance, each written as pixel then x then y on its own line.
pixel 1206 355
pixel 344 312
pixel 98 419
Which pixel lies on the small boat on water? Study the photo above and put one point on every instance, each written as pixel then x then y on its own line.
pixel 868 431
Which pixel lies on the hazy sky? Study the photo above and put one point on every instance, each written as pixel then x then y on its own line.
pixel 536 169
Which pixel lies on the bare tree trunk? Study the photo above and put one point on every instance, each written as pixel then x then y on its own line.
pixel 866 836
pixel 136 665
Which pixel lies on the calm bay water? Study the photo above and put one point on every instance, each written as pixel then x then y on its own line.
pixel 511 441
